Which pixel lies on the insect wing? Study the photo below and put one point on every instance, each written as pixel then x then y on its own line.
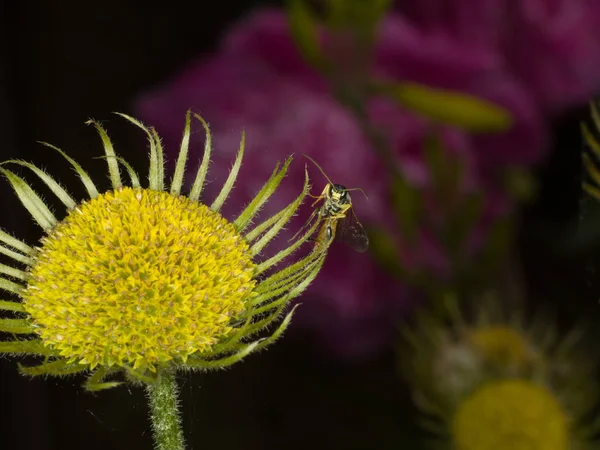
pixel 351 232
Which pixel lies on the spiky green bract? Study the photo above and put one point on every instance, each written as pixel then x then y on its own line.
pixel 590 158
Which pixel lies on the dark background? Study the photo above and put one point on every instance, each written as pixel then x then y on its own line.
pixel 63 62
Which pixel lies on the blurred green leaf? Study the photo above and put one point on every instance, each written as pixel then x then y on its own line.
pixel 590 156
pixel 378 8
pixel 447 107
pixel 462 224
pixel 407 206
pixel 590 139
pixel 520 184
pixel 446 172
pixel 497 246
pixel 584 237
pixel 360 15
pixel 384 249
pixel 434 156
pixel 304 27
pixel 595 114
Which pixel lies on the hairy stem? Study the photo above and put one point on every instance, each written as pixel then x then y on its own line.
pixel 164 413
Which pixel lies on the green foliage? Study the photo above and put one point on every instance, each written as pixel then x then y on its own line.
pixel 407 205
pixel 304 26
pixel 585 235
pixel 447 107
pixel 358 19
pixel 458 211
pixel 362 16
pixel 446 171
pixel 385 250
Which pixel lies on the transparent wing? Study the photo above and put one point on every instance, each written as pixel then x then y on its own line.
pixel 350 231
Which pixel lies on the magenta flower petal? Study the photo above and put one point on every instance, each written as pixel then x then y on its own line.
pixel 406 53
pixel 264 36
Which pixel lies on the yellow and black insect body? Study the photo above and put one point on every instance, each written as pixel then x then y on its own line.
pixel 337 217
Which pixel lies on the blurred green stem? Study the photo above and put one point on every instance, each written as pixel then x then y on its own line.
pixel 163 397
pixel 375 136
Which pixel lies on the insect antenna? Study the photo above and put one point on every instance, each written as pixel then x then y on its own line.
pixel 359 189
pixel 331 182
pixel 319 167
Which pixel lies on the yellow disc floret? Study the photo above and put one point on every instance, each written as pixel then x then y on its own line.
pixel 138 277
pixel 510 414
pixel 502 346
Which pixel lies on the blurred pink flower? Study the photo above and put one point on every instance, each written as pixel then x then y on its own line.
pixel 258 81
pixel 404 52
pixel 551 46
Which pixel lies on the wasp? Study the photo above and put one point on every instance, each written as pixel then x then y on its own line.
pixel 337 216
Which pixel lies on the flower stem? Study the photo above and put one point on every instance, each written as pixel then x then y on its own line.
pixel 163 397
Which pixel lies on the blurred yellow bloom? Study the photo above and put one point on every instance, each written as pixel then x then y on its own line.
pixel 491 380
pixel 510 414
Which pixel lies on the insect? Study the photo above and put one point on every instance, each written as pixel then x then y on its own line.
pixel 337 215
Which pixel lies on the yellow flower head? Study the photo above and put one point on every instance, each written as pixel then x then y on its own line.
pixel 502 346
pixel 139 279
pixel 121 279
pixel 510 414
pixel 492 380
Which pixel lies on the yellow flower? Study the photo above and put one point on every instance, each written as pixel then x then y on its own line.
pixel 502 347
pixel 141 279
pixel 492 380
pixel 510 414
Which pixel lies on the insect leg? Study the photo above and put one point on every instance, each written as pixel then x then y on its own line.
pixel 342 213
pixel 323 194
pixel 306 224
